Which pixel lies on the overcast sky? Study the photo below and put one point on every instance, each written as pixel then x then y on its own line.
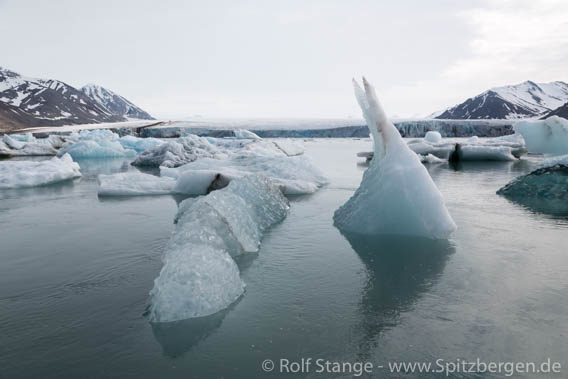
pixel 286 58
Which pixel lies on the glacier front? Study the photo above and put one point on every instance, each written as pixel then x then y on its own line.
pixel 397 195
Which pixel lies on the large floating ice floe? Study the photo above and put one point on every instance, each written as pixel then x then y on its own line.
pixel 199 276
pixel 548 136
pixel 397 195
pixel 19 174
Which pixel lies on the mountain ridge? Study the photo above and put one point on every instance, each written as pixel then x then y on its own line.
pixel 524 100
pixel 115 103
pixel 33 102
pixel 561 111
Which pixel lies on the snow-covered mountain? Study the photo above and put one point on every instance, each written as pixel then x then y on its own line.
pixel 28 102
pixel 524 100
pixel 115 103
pixel 561 111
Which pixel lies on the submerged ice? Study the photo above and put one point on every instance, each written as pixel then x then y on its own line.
pixel 19 174
pixel 396 195
pixel 549 181
pixel 199 276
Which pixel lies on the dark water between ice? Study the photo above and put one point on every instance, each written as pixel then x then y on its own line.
pixel 75 273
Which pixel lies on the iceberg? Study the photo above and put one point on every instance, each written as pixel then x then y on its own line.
pixel 97 149
pixel 201 182
pixel 99 143
pixel 441 150
pixel 199 276
pixel 54 140
pixel 191 147
pixel 213 163
pixel 294 175
pixel 396 195
pixel 26 137
pixel 139 144
pixel 431 159
pixel 20 174
pixel 548 136
pixel 28 145
pixel 13 143
pixel 433 136
pixel 505 148
pixel 544 189
pixel 133 184
pixel 244 134
pixel 176 153
pixel 473 149
pixel 27 149
pixel 482 153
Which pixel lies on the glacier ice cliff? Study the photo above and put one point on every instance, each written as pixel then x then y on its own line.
pixel 397 195
pixel 346 129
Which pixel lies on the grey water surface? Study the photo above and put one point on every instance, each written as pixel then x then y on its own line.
pixel 75 272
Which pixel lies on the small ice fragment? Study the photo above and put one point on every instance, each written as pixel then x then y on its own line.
pixel 244 134
pixel 433 136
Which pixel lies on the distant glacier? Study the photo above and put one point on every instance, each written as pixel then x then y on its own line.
pixel 344 129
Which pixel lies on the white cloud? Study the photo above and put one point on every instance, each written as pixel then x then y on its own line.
pixel 287 59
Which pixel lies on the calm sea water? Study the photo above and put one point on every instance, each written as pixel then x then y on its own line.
pixel 75 272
